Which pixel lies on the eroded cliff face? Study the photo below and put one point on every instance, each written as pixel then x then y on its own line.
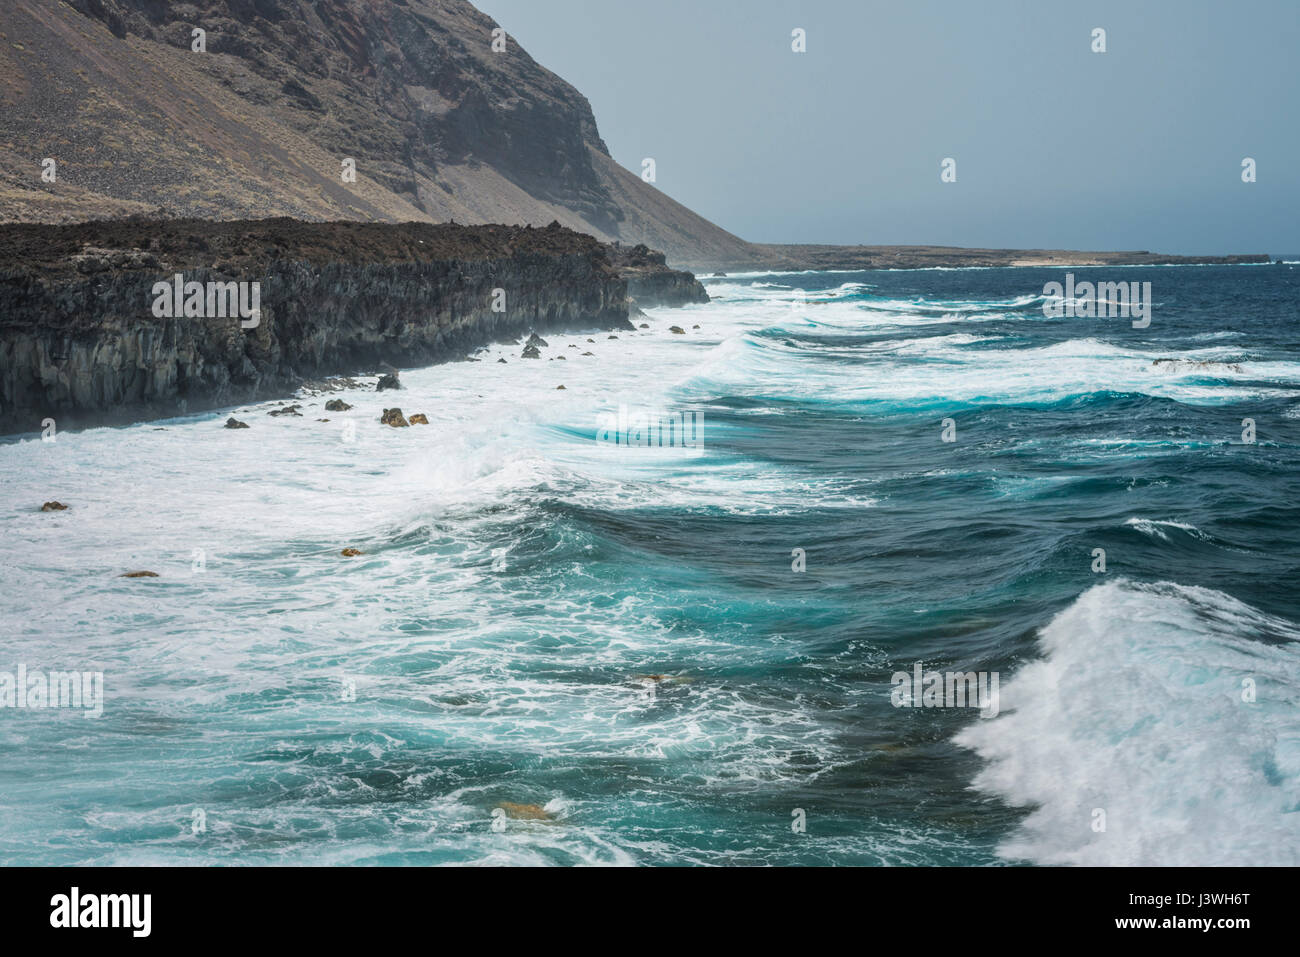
pixel 80 341
pixel 650 282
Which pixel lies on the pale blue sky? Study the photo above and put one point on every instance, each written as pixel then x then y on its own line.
pixel 1056 146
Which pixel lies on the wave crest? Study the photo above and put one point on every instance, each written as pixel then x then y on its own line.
pixel 1137 710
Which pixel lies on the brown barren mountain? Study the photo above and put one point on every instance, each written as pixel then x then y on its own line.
pixel 439 125
pixel 441 128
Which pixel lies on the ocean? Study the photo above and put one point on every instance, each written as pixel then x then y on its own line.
pixel 688 654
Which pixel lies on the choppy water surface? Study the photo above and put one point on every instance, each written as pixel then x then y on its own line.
pixel 618 635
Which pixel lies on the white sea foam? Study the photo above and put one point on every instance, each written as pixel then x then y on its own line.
pixel 887 372
pixel 1155 528
pixel 1136 710
pixel 277 616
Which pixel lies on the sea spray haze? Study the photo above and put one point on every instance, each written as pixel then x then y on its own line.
pixel 552 648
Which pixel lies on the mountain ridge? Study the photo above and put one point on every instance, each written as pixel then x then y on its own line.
pixel 440 127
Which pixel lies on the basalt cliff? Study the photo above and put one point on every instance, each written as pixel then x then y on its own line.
pixel 82 340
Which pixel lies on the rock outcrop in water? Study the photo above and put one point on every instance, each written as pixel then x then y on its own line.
pixel 80 342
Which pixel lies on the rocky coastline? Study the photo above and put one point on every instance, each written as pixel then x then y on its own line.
pixel 650 282
pixel 772 257
pixel 89 334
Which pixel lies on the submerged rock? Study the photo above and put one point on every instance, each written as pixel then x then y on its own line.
pixel 530 352
pixel 138 575
pixel 559 387
pixel 286 410
pixel 419 419
pixel 677 330
pixel 1198 364
pixel 331 384
pixel 502 361
pixel 663 679
pixel 394 418
pixel 336 405
pixel 526 812
pixel 387 381
pixel 233 423
pixel 350 552
pixel 53 507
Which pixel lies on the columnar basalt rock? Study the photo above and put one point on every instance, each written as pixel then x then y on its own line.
pixel 335 298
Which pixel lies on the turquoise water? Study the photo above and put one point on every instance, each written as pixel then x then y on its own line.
pixel 617 634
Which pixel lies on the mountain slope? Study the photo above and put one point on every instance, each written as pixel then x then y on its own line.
pixel 440 126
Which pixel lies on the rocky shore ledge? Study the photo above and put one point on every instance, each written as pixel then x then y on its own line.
pixel 90 332
pixel 651 283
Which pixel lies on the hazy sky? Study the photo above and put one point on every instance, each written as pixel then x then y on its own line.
pixel 1139 147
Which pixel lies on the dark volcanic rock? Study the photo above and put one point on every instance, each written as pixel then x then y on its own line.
pixel 651 283
pixel 335 298
pixel 530 352
pixel 336 405
pixel 388 381
pixel 332 384
pixel 53 507
pixel 233 423
pixel 1210 364
pixel 394 418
